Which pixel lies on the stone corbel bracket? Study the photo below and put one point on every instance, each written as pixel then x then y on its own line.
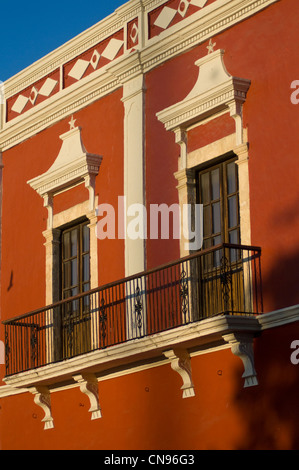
pixel 89 386
pixel 42 398
pixel 242 346
pixel 181 363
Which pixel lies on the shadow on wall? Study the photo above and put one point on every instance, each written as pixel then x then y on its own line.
pixel 10 286
pixel 280 285
pixel 270 411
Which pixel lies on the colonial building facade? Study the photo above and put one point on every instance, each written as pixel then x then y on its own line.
pixel 149 233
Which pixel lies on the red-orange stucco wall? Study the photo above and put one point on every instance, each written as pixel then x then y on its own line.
pixel 145 410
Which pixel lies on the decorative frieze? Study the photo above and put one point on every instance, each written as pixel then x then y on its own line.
pixel 171 13
pixel 209 20
pixel 33 95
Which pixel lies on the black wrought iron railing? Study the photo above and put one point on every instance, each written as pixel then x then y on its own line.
pixel 223 280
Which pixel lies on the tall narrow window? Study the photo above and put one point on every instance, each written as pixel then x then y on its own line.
pixel 75 261
pixel 75 275
pixel 218 191
pixel 220 270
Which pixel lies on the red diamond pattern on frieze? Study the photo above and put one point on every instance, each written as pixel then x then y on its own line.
pixel 104 52
pixel 171 13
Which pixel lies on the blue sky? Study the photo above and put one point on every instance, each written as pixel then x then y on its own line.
pixel 33 28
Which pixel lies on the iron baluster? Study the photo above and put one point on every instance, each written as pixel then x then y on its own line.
pixel 7 351
pixel 69 330
pixel 33 342
pixel 184 293
pixel 226 281
pixel 103 320
pixel 138 308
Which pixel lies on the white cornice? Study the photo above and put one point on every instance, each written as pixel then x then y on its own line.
pixel 192 31
pixel 279 318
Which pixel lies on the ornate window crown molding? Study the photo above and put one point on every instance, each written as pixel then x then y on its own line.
pixel 215 91
pixel 73 166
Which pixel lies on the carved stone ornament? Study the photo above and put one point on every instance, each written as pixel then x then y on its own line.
pixel 89 386
pixel 215 91
pixel 242 346
pixel 73 166
pixel 42 398
pixel 181 363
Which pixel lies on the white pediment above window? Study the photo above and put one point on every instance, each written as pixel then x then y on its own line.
pixel 215 91
pixel 73 166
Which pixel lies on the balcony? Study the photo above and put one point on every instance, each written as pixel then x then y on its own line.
pixel 188 303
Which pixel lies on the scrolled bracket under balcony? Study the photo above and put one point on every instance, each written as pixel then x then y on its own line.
pixel 42 398
pixel 89 386
pixel 181 363
pixel 242 346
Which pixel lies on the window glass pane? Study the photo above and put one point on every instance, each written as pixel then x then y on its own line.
pixel 215 184
pixel 74 242
pixel 66 275
pixel 75 303
pixel 75 291
pixel 207 243
pixel 85 268
pixel 85 238
pixel 217 254
pixel 205 188
pixel 86 287
pixel 66 245
pixel 234 237
pixel 217 240
pixel 232 212
pixel 86 298
pixel 207 222
pixel 231 178
pixel 74 272
pixel 234 240
pixel 216 215
pixel 67 293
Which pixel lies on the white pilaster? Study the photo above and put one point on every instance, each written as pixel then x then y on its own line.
pixel 133 99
